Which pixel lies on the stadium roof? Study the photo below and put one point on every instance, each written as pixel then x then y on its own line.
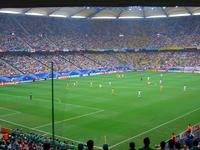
pixel 106 12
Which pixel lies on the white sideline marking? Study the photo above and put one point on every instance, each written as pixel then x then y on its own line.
pixel 147 131
pixel 72 118
pixel 44 134
pixel 23 126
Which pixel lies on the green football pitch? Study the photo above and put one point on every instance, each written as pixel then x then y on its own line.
pixel 83 112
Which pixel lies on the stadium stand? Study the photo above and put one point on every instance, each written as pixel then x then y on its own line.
pixel 6 70
pixel 17 139
pixel 157 59
pixel 41 33
pixel 25 63
pixel 38 34
pixel 37 41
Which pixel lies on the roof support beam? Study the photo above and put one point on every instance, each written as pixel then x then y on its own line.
pixel 97 11
pixel 119 14
pixel 53 11
pixel 164 11
pixel 188 10
pixel 76 12
pixel 27 10
pixel 143 11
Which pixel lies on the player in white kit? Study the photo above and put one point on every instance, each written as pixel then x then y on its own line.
pixel 160 81
pixel 139 93
pixel 100 85
pixel 184 88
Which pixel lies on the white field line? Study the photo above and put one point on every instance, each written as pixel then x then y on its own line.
pixel 44 134
pixel 94 108
pixel 10 114
pixel 147 131
pixel 72 118
pixel 41 131
pixel 4 108
pixel 56 101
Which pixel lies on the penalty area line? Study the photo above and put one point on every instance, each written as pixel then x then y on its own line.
pixel 147 131
pixel 10 114
pixel 4 108
pixel 68 119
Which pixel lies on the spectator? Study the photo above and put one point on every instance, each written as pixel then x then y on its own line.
pixel 178 146
pixel 171 145
pixel 174 137
pixel 162 145
pixel 189 128
pixel 189 139
pixel 80 146
pixel 132 146
pixel 146 142
pixel 105 147
pixel 195 145
pixel 90 144
pixel 46 145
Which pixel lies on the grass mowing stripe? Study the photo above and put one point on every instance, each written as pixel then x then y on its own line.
pixel 72 118
pixel 41 131
pixel 147 131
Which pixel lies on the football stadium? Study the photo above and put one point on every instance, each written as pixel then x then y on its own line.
pixel 119 78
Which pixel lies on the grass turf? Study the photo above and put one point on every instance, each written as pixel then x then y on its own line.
pixel 83 112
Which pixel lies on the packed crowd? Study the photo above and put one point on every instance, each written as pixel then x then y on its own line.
pixel 30 33
pixel 6 70
pixel 25 64
pixel 106 60
pixel 28 63
pixel 50 34
pixel 9 42
pixel 18 140
pixel 158 59
pixel 40 63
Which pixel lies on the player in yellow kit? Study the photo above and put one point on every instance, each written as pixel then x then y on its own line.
pixel 91 84
pixel 161 88
pixel 113 91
